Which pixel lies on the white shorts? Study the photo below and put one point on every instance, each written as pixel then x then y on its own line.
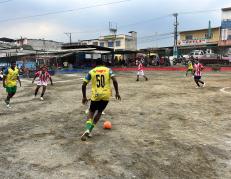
pixel 42 83
pixel 140 73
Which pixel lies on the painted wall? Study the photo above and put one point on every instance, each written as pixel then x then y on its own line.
pixel 199 37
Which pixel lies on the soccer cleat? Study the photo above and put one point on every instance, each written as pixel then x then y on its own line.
pixel 8 106
pixel 85 135
pixel 41 99
pixel 87 111
pixel 103 113
pixel 197 86
pixel 203 85
pixel 90 135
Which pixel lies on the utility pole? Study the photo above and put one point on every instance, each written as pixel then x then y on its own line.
pixel 69 35
pixel 175 50
pixel 113 31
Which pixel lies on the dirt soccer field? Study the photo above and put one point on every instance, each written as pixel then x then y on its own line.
pixel 162 129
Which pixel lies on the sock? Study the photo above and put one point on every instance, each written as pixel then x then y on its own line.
pixel 89 125
pixel 92 126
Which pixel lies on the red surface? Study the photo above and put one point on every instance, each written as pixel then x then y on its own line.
pixel 157 69
pixel 168 69
pixel 225 69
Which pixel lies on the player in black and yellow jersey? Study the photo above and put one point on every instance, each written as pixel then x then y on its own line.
pixel 10 78
pixel 100 78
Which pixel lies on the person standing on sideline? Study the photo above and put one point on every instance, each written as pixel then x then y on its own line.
pixel 197 69
pixel 100 77
pixel 43 76
pixel 140 70
pixel 190 68
pixel 10 77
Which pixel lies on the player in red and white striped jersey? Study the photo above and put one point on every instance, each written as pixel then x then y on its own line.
pixel 197 68
pixel 43 76
pixel 140 70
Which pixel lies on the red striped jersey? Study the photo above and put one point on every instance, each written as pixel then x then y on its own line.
pixel 43 76
pixel 140 67
pixel 198 69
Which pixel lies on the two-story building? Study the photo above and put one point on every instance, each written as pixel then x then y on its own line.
pixel 225 40
pixel 124 46
pixel 199 39
pixel 120 42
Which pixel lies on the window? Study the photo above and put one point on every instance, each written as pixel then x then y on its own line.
pixel 188 37
pixel 110 44
pixel 118 43
pixel 95 43
pixel 101 44
pixel 207 35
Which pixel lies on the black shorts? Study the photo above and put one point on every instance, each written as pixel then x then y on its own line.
pixel 98 105
pixel 197 77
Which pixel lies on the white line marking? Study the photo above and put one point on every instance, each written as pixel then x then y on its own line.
pixel 223 90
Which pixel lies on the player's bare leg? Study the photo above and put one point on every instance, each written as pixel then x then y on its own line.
pixel 137 79
pixel 145 78
pixel 89 126
pixel 43 92
pixel 36 90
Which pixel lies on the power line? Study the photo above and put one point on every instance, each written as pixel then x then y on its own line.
pixel 155 35
pixel 147 21
pixel 122 26
pixel 199 11
pixel 159 39
pixel 63 11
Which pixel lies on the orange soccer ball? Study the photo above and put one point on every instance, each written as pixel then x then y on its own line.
pixel 107 125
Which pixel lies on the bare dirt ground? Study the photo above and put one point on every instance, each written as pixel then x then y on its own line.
pixel 162 129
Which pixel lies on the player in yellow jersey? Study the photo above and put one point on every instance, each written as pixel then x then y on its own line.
pixel 100 77
pixel 190 67
pixel 10 77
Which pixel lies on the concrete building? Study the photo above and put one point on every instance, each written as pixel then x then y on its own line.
pixel 225 39
pixel 119 42
pixel 39 44
pixel 199 37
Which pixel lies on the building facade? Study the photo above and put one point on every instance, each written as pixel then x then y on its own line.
pixel 200 37
pixel 39 44
pixel 225 39
pixel 117 42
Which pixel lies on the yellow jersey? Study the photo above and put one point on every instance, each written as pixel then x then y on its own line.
pixel 100 78
pixel 190 66
pixel 11 77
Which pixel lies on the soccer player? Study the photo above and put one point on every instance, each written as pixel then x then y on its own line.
pixel 197 69
pixel 10 77
pixel 43 76
pixel 100 78
pixel 190 67
pixel 1 74
pixel 140 71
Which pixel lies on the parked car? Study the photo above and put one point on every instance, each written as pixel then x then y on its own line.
pixel 227 57
pixel 195 54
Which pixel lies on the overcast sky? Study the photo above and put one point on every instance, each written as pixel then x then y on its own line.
pixel 88 19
